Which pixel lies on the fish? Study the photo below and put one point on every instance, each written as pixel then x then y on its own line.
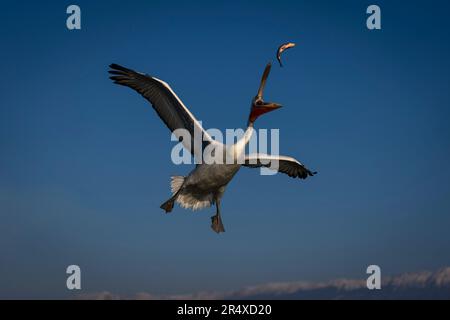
pixel 283 47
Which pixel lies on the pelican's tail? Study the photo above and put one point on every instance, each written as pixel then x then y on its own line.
pixel 175 183
pixel 184 198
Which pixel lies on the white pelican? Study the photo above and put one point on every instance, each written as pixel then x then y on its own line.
pixel 205 185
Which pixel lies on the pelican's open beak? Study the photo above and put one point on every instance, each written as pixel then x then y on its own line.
pixel 261 108
pixel 259 102
pixel 265 107
pixel 270 106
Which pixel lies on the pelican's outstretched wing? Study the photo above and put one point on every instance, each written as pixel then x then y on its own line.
pixel 166 103
pixel 287 165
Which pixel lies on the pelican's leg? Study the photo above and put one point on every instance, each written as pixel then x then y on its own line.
pixel 168 205
pixel 216 220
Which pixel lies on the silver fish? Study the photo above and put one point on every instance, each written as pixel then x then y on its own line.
pixel 282 48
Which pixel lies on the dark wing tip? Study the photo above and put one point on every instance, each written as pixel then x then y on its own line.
pixel 121 75
pixel 310 173
pixel 305 173
pixel 118 68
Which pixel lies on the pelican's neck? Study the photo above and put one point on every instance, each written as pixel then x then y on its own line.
pixel 238 149
pixel 248 133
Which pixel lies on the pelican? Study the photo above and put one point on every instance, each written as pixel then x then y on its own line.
pixel 206 183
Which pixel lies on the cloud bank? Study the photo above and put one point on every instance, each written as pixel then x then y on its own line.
pixel 417 285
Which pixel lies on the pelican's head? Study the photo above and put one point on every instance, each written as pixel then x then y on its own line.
pixel 259 106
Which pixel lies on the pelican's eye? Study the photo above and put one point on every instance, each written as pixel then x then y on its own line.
pixel 258 102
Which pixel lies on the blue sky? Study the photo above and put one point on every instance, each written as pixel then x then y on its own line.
pixel 85 164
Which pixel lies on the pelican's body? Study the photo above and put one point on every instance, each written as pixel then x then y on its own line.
pixel 205 185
